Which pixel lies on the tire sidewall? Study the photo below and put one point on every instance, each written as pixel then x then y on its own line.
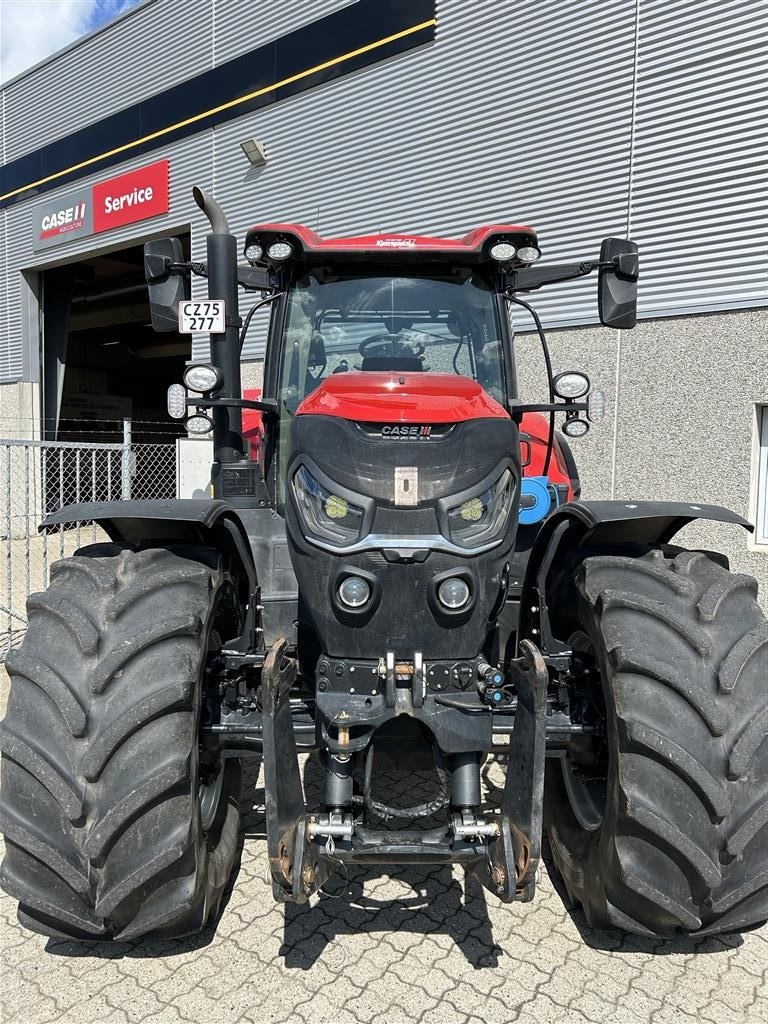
pixel 569 840
pixel 216 848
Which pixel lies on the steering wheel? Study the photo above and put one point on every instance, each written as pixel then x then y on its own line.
pixel 386 344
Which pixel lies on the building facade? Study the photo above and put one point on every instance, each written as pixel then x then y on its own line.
pixel 609 117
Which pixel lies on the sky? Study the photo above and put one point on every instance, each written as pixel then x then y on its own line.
pixel 31 30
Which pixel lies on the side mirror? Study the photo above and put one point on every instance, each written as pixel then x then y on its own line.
pixel 167 285
pixel 617 283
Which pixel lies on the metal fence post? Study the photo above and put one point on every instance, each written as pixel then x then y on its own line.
pixel 126 461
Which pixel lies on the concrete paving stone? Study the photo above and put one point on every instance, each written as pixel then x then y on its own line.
pixel 638 1003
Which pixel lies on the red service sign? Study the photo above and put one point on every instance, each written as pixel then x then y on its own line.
pixel 131 197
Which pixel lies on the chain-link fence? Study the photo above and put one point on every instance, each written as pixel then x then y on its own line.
pixel 38 477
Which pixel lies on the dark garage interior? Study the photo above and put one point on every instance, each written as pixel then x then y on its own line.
pixel 103 362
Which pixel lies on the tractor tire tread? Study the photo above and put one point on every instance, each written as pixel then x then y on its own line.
pixel 102 821
pixel 685 649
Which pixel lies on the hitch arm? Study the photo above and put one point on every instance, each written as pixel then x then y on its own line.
pixel 514 855
pixel 292 854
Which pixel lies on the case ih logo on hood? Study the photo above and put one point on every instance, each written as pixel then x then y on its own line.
pixel 406 430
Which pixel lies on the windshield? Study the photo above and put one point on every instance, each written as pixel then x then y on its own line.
pixel 343 324
pixel 337 323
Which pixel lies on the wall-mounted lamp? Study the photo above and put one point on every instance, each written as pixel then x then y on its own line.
pixel 255 152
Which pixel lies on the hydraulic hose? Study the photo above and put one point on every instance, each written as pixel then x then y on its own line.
pixel 550 375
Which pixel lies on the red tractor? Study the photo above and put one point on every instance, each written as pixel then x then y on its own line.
pixel 394 572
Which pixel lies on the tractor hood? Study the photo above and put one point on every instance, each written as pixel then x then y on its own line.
pixel 394 399
pixel 403 479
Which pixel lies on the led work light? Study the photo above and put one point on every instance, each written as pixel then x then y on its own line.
pixel 575 427
pixel 502 251
pixel 199 424
pixel 279 250
pixel 177 401
pixel 571 384
pixel 202 377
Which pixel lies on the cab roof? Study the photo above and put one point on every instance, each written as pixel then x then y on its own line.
pixel 307 245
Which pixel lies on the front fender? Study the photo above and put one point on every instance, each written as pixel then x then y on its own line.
pixel 604 525
pixel 179 520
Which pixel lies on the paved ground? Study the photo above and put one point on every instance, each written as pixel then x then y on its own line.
pixel 420 945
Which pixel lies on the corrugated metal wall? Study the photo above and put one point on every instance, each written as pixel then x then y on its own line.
pixel 530 124
pixel 159 45
pixel 11 358
pixel 700 183
pixel 581 119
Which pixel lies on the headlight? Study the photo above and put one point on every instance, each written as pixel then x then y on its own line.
pixel 354 591
pixel 254 252
pixel 327 515
pixel 483 517
pixel 453 593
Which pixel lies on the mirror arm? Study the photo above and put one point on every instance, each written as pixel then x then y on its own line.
pixel 199 269
pixel 252 310
pixel 529 278
pixel 268 406
pixel 517 411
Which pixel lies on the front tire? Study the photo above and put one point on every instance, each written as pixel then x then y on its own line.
pixel 108 834
pixel 676 839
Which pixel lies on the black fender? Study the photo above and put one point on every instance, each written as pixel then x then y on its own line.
pixel 178 521
pixel 605 525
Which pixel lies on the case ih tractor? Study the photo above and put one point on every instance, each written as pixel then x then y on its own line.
pixel 394 571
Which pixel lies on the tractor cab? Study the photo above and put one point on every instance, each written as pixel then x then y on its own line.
pixel 395 304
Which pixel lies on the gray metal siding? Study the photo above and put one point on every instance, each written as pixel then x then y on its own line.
pixel 159 45
pixel 536 112
pixel 700 185
pixel 453 135
pixel 10 340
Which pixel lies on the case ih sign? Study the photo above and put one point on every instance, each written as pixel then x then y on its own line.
pixel 136 195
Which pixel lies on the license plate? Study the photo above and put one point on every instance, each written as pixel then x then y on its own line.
pixel 206 317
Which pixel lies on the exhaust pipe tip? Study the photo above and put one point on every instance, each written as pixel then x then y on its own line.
pixel 212 210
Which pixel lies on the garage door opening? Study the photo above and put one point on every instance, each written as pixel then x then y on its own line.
pixel 105 368
pixel 103 361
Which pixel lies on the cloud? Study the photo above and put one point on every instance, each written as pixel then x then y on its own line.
pixel 31 30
